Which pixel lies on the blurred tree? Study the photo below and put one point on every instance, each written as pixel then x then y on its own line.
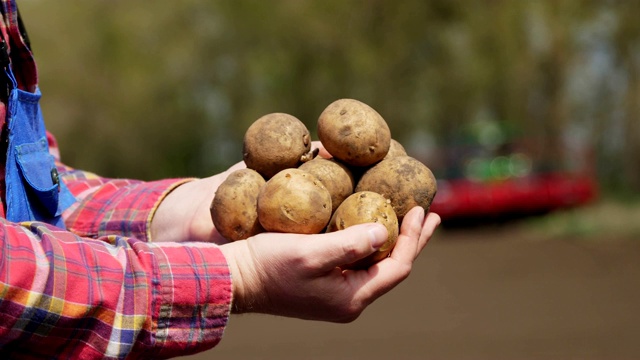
pixel 168 90
pixel 627 42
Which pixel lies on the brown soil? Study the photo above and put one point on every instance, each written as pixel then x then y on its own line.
pixel 484 293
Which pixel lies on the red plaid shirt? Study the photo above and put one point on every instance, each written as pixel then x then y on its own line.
pixel 101 290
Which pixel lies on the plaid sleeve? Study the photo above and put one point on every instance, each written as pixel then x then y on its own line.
pixel 113 206
pixel 107 206
pixel 62 296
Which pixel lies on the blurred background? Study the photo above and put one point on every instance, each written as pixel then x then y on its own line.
pixel 519 108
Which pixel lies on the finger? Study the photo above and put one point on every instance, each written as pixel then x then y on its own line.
pixel 322 151
pixel 406 246
pixel 386 274
pixel 379 279
pixel 344 247
pixel 412 223
pixel 428 228
pixel 236 166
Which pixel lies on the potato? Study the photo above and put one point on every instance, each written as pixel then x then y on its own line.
pixel 294 201
pixel 395 149
pixel 353 132
pixel 363 207
pixel 404 180
pixel 276 142
pixel 234 209
pixel 335 176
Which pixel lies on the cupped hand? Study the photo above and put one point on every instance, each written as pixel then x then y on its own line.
pixel 184 214
pixel 300 276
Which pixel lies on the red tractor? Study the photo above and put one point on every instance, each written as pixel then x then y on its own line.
pixel 506 186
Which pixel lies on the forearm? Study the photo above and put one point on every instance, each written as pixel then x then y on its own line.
pixel 80 296
pixel 113 206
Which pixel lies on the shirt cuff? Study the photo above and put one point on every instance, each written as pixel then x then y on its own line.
pixel 119 207
pixel 193 301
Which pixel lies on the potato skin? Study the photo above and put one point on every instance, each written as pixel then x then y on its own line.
pixel 404 180
pixel 234 209
pixel 294 201
pixel 364 207
pixel 354 132
pixel 335 176
pixel 275 142
pixel 395 149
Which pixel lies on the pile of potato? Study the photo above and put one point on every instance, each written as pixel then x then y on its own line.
pixel 286 187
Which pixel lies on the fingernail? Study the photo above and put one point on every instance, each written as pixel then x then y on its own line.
pixel 377 236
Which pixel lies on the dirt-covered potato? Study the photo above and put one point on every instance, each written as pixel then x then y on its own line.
pixel 364 207
pixel 294 201
pixel 395 149
pixel 234 207
pixel 276 142
pixel 353 132
pixel 404 180
pixel 335 176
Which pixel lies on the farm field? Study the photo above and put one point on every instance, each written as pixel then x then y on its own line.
pixel 559 287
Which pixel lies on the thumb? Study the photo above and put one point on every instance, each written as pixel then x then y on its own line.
pixel 346 246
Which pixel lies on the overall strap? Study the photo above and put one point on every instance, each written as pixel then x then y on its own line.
pixel 18 47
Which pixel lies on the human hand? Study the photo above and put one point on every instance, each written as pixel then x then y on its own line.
pixel 184 214
pixel 299 275
pixel 322 152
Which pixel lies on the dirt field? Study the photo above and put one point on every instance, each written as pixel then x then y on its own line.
pixel 488 293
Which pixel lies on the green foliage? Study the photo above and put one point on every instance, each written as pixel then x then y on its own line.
pixel 145 90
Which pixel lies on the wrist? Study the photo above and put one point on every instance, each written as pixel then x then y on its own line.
pixel 248 294
pixel 183 215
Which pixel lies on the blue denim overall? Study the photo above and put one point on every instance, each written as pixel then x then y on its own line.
pixel 34 190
